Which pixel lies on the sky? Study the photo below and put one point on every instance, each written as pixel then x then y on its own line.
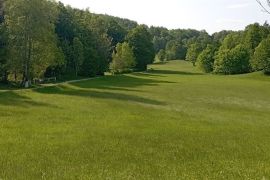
pixel 209 15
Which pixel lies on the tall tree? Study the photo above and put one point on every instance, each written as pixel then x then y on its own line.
pixel 206 59
pixel 141 41
pixel 253 35
pixel 78 56
pixel 122 58
pixel 261 58
pixel 33 43
pixel 3 45
pixel 193 53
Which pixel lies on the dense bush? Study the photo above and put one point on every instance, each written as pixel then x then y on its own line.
pixel 206 59
pixel 235 61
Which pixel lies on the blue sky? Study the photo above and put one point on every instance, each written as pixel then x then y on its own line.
pixel 211 15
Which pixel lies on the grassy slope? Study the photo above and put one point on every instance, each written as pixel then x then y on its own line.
pixel 172 123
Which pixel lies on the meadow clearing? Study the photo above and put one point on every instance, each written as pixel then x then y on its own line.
pixel 171 122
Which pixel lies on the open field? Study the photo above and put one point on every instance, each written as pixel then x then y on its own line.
pixel 170 123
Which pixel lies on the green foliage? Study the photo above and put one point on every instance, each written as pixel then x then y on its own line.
pixel 93 32
pixel 116 32
pixel 253 35
pixel 176 42
pixel 123 59
pixel 175 50
pixel 206 59
pixel 32 42
pixel 78 54
pixel 231 41
pixel 219 37
pixel 66 42
pixel 123 23
pixel 161 56
pixel 261 57
pixel 141 42
pixel 3 49
pixel 234 61
pixel 159 43
pixel 193 52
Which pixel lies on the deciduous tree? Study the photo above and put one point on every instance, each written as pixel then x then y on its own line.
pixel 261 58
pixel 141 42
pixel 123 59
pixel 32 41
pixel 206 59
pixel 234 61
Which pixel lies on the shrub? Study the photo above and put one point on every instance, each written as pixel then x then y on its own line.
pixel 235 61
pixel 206 59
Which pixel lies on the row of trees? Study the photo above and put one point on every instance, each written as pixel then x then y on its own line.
pixel 42 38
pixel 173 44
pixel 236 53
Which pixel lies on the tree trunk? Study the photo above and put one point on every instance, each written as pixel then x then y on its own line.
pixel 26 79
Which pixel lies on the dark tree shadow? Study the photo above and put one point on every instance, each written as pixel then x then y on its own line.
pixel 146 74
pixel 8 86
pixel 11 98
pixel 97 88
pixel 64 90
pixel 173 72
pixel 120 82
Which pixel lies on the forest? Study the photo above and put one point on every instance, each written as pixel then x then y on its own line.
pixel 41 39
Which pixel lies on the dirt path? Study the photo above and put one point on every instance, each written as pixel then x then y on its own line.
pixel 52 85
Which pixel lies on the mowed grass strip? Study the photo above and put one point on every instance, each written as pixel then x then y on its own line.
pixel 172 122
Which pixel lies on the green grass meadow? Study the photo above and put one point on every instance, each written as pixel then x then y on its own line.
pixel 171 122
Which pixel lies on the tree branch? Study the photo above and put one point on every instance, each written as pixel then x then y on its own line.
pixel 263 7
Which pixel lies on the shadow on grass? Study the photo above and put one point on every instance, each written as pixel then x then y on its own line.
pixel 93 89
pixel 173 72
pixel 62 90
pixel 147 74
pixel 120 82
pixel 11 98
pixel 8 86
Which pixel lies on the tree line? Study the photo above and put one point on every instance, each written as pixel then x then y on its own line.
pixel 236 53
pixel 43 38
pixel 225 52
